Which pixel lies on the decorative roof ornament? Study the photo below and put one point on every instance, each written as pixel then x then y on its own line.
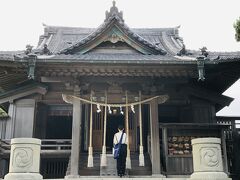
pixel 28 49
pixel 200 66
pixel 201 63
pixel 114 12
pixel 31 68
pixel 45 50
pixel 204 51
pixel 183 51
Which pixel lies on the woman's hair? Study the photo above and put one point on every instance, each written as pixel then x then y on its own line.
pixel 120 127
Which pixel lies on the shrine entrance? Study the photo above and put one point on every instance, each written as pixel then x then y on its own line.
pixel 113 120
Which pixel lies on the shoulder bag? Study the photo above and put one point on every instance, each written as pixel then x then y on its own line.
pixel 117 148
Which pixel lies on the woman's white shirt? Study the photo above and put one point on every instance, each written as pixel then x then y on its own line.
pixel 117 138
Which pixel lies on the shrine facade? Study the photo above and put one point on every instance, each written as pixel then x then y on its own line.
pixel 75 88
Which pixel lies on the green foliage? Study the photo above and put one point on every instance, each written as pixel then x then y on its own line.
pixel 237 29
pixel 3 113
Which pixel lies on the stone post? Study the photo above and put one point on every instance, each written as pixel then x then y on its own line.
pixel 24 159
pixel 207 159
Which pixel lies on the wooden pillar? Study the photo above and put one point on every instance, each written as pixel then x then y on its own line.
pixel 141 155
pixel 155 146
pixel 10 124
pixel 86 125
pixel 224 148
pixel 104 156
pixel 90 148
pixel 165 146
pixel 22 119
pixel 128 160
pixel 76 131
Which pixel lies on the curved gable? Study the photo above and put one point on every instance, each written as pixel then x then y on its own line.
pixel 114 30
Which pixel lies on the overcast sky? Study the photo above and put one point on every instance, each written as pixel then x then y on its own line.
pixel 203 22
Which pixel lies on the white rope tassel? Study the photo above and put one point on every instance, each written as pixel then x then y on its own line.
pixel 90 149
pixel 90 157
pixel 98 108
pixel 132 108
pixel 141 155
pixel 121 111
pixel 128 160
pixel 104 155
pixel 109 110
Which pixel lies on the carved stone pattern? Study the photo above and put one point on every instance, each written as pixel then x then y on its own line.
pixel 209 156
pixel 23 157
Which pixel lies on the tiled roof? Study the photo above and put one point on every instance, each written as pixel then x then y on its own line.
pixel 64 39
pixel 112 58
pixel 8 55
pixel 129 58
pixel 108 23
pixel 218 56
pixel 60 38
pixel 225 56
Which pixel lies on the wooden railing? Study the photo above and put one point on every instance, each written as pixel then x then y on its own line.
pixel 56 144
pixel 232 136
pixel 4 146
pixel 49 146
pixel 53 167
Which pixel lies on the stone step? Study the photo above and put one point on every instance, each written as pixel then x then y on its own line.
pixel 123 178
pixel 110 170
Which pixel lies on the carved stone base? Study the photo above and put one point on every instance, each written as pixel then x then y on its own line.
pixel 209 176
pixel 23 176
pixel 24 159
pixel 207 159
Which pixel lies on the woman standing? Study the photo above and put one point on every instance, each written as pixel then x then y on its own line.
pixel 121 160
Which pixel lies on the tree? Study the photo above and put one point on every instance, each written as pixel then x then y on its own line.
pixel 237 29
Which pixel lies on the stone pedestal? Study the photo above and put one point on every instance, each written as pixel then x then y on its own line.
pixel 24 159
pixel 207 159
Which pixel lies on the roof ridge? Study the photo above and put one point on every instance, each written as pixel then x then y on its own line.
pixel 67 27
pixel 106 25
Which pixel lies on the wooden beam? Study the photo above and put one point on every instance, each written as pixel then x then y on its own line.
pixel 24 92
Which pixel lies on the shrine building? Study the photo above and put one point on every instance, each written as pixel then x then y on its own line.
pixel 75 88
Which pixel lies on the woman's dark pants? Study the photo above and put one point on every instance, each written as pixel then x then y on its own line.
pixel 121 161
